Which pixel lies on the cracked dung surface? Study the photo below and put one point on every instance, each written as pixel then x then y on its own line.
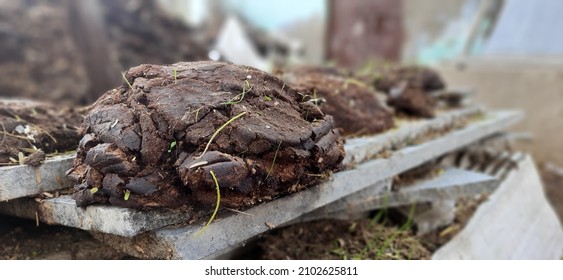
pixel 354 106
pixel 409 88
pixel 25 124
pixel 147 140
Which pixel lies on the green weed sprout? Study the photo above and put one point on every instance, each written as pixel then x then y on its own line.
pixel 216 205
pixel 219 130
pixel 128 83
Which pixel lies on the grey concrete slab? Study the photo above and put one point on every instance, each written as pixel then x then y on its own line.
pixel 109 219
pixel 452 184
pixel 230 230
pixel 516 222
pixel 24 180
pixel 363 148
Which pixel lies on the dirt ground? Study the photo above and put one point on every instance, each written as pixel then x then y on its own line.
pixel 333 239
pixel 24 240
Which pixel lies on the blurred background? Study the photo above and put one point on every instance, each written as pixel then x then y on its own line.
pixel 510 52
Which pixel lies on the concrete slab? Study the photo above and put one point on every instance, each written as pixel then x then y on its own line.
pixel 230 230
pixel 24 180
pixel 363 148
pixel 109 219
pixel 516 222
pixel 453 184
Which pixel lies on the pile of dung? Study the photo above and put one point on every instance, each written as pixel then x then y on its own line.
pixel 409 89
pixel 157 140
pixel 354 106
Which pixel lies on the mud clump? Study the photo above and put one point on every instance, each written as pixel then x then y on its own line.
pixel 354 106
pixel 410 89
pixel 155 143
pixel 35 128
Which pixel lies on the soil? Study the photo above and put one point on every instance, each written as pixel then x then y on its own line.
pixel 335 239
pixel 354 106
pixel 34 129
pixel 153 144
pixel 408 88
pixel 25 240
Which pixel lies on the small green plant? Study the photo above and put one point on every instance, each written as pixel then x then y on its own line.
pixel 172 145
pixel 125 78
pixel 127 194
pixel 267 98
pixel 353 81
pixel 197 114
pixel 93 190
pixel 219 130
pixel 216 204
pixel 274 160
pixel 239 97
pixel 405 226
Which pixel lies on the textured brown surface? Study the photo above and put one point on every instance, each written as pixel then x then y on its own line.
pixel 334 239
pixel 149 139
pixel 409 88
pixel 354 106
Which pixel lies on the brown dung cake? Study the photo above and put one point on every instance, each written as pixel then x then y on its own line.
pixel 409 89
pixel 354 106
pixel 144 145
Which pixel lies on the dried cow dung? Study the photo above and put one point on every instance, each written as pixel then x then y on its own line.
pixel 409 89
pixel 145 145
pixel 354 106
pixel 35 128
